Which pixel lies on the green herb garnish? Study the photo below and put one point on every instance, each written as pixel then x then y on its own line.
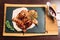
pixel 9 26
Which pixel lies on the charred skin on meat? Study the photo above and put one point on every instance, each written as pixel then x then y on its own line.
pixel 23 20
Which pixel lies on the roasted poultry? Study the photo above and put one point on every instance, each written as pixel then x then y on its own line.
pixel 25 19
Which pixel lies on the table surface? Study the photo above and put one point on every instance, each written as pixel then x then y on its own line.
pixel 52 37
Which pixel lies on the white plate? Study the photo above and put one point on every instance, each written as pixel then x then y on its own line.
pixel 15 13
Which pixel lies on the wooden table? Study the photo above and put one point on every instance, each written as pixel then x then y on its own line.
pixel 26 38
